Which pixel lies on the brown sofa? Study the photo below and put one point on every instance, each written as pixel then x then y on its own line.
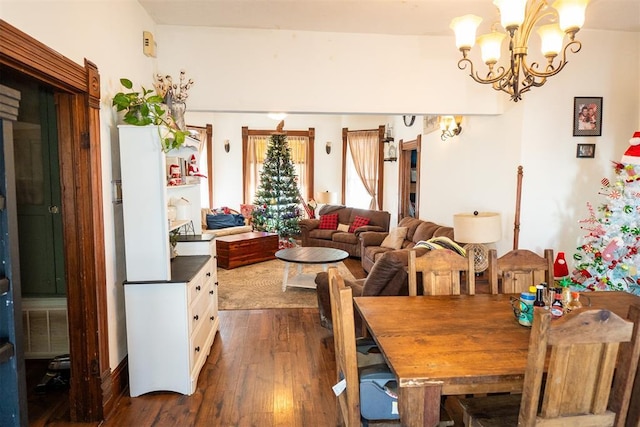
pixel 371 251
pixel 388 277
pixel 349 242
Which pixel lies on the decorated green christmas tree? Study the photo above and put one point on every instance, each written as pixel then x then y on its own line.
pixel 276 199
pixel 609 260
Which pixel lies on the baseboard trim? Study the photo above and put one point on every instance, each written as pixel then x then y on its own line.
pixel 119 382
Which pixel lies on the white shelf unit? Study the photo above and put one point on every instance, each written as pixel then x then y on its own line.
pixel 145 197
pixel 171 306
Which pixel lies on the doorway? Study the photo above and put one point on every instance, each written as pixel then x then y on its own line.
pixel 76 93
pixel 409 179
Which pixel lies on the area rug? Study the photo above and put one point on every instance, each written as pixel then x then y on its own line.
pixel 259 286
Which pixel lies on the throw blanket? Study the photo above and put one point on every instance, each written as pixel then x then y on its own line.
pixel 326 209
pixel 441 243
pixel 216 222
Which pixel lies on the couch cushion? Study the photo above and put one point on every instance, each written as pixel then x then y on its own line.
pixel 358 221
pixel 321 234
pixel 387 277
pixel 425 231
pixel 343 237
pixel 395 238
pixel 411 224
pixel 379 218
pixel 328 222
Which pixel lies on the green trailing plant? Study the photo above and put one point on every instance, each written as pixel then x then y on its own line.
pixel 147 108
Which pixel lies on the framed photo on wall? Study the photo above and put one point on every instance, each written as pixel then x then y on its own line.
pixel 587 116
pixel 587 151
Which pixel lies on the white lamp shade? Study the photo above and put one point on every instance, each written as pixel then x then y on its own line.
pixel 465 29
pixel 551 38
pixel 490 46
pixel 511 12
pixel 327 197
pixel 571 13
pixel 485 227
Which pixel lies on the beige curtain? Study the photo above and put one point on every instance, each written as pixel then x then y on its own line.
pixel 363 146
pixel 257 152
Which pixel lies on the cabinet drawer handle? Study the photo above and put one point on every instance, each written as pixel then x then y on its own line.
pixel 197 349
pixel 209 274
pixel 211 292
pixel 198 288
pixel 216 283
pixel 196 317
pixel 212 318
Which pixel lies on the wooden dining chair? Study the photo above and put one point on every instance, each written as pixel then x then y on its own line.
pixel 367 390
pixel 518 269
pixel 586 347
pixel 441 270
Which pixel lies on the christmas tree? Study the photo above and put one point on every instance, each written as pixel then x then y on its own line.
pixel 277 195
pixel 609 260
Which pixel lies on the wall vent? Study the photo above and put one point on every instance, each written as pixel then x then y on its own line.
pixel 46 327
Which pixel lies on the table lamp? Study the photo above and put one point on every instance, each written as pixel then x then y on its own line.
pixel 476 230
pixel 327 197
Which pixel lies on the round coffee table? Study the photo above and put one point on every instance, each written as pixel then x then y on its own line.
pixel 307 255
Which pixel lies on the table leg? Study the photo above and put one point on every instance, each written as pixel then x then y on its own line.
pixel 285 278
pixel 420 406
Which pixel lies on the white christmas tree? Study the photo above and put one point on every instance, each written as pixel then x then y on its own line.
pixel 609 258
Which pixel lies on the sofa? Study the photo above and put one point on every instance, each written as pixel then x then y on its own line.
pixel 338 227
pixel 388 277
pixel 373 245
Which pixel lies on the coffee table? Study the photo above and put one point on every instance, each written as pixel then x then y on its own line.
pixel 307 255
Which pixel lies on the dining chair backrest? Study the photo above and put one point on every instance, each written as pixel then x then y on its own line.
pixel 441 270
pixel 584 353
pixel 518 269
pixel 344 335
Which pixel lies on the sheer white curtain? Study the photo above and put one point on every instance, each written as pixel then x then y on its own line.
pixel 362 169
pixel 256 153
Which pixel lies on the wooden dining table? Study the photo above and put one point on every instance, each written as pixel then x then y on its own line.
pixel 452 345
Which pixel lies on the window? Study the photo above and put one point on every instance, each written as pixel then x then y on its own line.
pixel 254 149
pixel 363 171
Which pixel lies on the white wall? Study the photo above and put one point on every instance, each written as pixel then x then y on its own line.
pixel 240 71
pixel 108 34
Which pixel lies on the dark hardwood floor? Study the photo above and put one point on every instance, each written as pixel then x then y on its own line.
pixel 266 368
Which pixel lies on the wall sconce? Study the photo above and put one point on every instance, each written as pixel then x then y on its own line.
pixel 226 145
pixel 328 147
pixel 450 126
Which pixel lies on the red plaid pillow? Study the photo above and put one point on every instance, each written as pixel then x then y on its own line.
pixel 359 221
pixel 328 222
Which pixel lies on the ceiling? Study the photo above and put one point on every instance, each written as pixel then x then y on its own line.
pixel 398 17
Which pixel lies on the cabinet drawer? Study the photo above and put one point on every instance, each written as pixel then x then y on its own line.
pixel 198 347
pixel 196 286
pixel 199 311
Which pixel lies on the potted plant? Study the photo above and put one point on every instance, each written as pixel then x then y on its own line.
pixel 147 108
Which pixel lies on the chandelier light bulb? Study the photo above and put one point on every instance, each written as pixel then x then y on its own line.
pixel 571 14
pixel 465 29
pixel 552 38
pixel 491 45
pixel 511 13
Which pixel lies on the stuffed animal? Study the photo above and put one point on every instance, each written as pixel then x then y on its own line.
pixel 193 167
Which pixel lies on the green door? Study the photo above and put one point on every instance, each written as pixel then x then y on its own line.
pixel 38 194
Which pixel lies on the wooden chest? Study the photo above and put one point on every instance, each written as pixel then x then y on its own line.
pixel 246 248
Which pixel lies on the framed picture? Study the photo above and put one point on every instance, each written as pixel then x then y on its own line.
pixel 430 124
pixel 587 116
pixel 586 151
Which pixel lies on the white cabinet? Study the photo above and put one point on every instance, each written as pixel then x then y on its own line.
pixel 171 306
pixel 171 327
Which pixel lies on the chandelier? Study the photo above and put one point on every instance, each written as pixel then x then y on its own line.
pixel 518 18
